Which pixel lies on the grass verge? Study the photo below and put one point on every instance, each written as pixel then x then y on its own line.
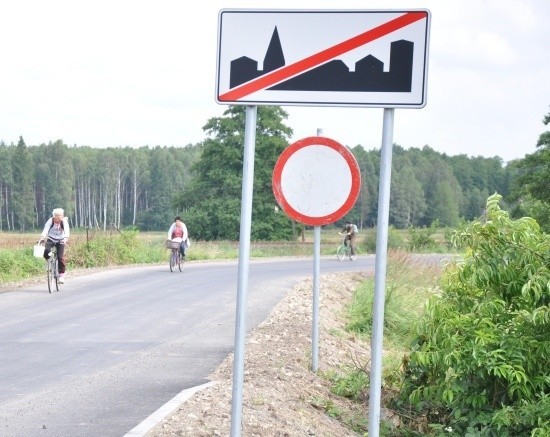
pixel 409 283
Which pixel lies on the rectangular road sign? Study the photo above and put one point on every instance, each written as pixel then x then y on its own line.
pixel 364 58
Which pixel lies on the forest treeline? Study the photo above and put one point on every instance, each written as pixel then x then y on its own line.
pixel 144 187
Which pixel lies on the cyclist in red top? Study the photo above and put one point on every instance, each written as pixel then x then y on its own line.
pixel 178 232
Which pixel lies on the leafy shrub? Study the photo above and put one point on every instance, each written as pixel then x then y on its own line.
pixel 479 365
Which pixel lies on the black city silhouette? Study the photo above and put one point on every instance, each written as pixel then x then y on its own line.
pixel 334 75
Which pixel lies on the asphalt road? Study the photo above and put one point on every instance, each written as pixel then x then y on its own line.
pixel 110 348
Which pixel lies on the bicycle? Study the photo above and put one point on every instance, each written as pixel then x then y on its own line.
pixel 52 270
pixel 175 255
pixel 344 251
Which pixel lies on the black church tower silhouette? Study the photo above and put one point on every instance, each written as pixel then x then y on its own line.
pixel 369 74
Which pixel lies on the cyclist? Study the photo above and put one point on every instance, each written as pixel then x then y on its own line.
pixel 350 231
pixel 178 232
pixel 56 233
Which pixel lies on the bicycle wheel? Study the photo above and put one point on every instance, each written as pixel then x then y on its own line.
pixel 56 273
pixel 180 261
pixel 341 252
pixel 50 274
pixel 172 260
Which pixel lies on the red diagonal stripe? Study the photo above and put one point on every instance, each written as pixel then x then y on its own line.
pixel 288 71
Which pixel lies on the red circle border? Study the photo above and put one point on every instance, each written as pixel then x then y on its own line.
pixel 355 181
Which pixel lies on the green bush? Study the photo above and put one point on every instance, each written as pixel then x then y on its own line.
pixel 119 249
pixel 395 240
pixel 421 239
pixel 479 366
pixel 19 263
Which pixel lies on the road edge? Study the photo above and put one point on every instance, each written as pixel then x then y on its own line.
pixel 150 422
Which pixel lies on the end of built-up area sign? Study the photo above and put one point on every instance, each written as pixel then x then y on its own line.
pixel 363 58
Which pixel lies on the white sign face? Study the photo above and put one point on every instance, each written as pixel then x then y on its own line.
pixel 315 179
pixel 364 58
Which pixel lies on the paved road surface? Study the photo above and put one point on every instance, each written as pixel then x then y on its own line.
pixel 110 348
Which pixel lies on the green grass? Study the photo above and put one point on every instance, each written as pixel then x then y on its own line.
pixel 97 248
pixel 88 249
pixel 409 283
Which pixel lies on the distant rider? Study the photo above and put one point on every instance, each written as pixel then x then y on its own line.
pixel 350 231
pixel 56 233
pixel 178 233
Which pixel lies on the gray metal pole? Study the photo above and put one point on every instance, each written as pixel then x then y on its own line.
pixel 242 281
pixel 380 274
pixel 315 305
pixel 315 322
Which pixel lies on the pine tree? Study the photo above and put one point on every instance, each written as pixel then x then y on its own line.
pixel 23 190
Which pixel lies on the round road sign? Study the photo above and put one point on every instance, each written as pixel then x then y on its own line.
pixel 316 181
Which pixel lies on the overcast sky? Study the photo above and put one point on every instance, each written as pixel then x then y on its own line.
pixel 134 73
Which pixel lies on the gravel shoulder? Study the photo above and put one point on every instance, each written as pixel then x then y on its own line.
pixel 281 395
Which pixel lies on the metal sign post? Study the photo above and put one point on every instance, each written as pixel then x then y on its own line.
pixel 315 301
pixel 380 274
pixel 242 282
pixel 316 292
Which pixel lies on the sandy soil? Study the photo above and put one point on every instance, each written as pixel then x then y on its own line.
pixel 281 395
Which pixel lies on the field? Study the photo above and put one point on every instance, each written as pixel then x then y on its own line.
pixel 209 250
pixel 98 248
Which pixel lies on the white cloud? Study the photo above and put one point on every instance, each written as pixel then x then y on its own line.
pixel 494 48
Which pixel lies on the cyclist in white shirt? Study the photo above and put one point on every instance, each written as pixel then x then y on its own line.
pixel 56 233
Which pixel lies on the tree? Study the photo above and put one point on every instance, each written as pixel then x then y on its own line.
pixel 6 184
pixel 474 203
pixel 443 195
pixel 55 180
pixel 212 201
pixel 532 183
pixel 85 163
pixel 407 203
pixel 535 168
pixel 159 213
pixel 365 209
pixel 139 179
pixel 23 191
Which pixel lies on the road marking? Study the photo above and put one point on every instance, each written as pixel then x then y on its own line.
pixel 155 418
